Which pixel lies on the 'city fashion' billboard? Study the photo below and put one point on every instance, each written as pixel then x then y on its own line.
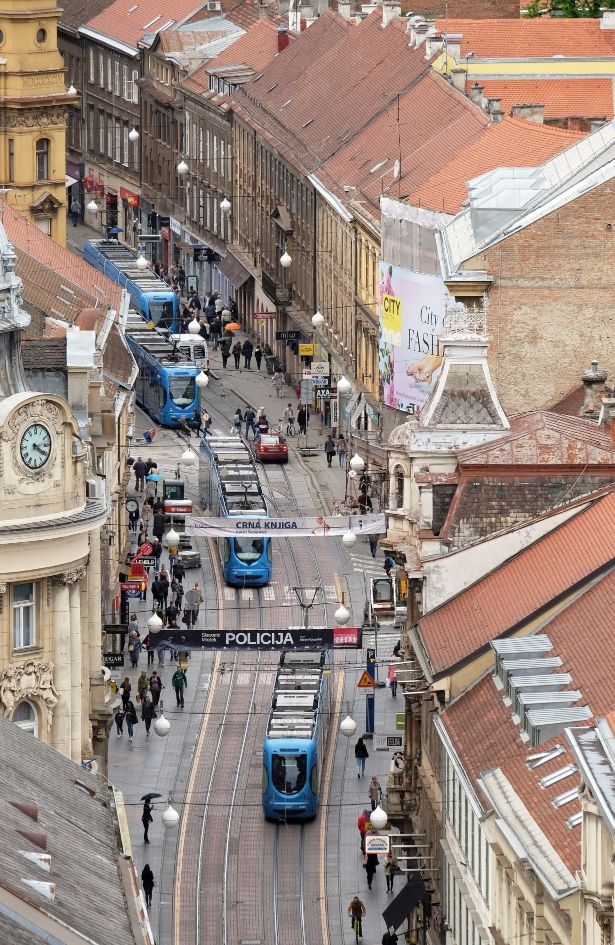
pixel 411 315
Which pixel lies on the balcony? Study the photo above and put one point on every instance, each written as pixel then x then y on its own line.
pixel 279 294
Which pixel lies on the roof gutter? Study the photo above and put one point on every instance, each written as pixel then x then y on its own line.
pixel 330 198
pixel 108 41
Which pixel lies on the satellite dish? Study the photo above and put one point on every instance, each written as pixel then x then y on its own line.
pixel 396 169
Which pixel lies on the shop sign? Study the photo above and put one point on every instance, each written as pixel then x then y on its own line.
pixel 287 335
pixel 378 843
pixel 320 368
pixel 265 316
pixel 113 659
pixel 175 225
pixel 131 588
pixel 307 351
pixel 131 199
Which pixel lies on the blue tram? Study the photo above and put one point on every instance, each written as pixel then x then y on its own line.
pixel 149 294
pixel 230 487
pixel 295 742
pixel 166 385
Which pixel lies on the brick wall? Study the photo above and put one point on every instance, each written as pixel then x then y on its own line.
pixel 467 9
pixel 552 303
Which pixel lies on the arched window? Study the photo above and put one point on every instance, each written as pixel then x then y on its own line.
pixel 25 716
pixel 43 146
pixel 399 487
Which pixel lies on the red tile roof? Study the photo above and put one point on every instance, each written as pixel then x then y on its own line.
pixel 256 49
pixel 46 267
pixel 512 142
pixel 127 20
pixel 562 98
pixel 531 38
pixel 581 635
pixel 247 12
pixel 523 585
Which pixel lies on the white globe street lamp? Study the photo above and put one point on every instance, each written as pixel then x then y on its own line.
pixel 171 538
pixel 357 463
pixel 378 818
pixel 133 135
pixel 202 380
pixel 342 615
pixel 162 726
pixel 188 458
pixel 154 624
pixel 318 319
pixel 225 206
pixel 141 262
pixel 343 385
pixel 348 727
pixel 92 206
pixel 194 326
pixel 182 168
pixel 286 260
pixel 170 817
pixel 349 538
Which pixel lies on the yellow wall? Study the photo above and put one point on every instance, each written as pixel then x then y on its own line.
pixel 34 99
pixel 526 68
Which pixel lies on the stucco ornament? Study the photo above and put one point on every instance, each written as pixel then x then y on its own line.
pixel 25 681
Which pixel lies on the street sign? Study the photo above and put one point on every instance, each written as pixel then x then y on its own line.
pixel 149 561
pixel 307 374
pixel 287 335
pixel 383 742
pixel 378 843
pixel 323 392
pixel 321 369
pixel 113 659
pixel 264 316
pixel 366 681
pixel 307 351
pixel 306 392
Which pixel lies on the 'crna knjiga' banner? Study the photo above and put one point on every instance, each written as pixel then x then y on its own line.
pixel 330 526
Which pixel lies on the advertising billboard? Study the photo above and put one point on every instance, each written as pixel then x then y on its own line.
pixel 411 315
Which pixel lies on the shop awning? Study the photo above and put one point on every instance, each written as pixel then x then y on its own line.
pixel 235 272
pixel 410 895
pixel 70 181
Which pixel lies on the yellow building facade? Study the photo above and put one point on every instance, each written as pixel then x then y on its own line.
pixel 34 114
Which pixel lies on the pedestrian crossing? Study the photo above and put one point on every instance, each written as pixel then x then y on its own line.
pixel 365 565
pixel 274 591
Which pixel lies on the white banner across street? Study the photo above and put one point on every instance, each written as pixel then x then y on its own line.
pixel 330 526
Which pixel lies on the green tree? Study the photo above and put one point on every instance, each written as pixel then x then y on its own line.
pixel 567 8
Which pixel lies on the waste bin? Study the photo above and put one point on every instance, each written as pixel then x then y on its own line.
pixel 271 363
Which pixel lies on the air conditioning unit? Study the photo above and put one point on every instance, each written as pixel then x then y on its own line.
pixel 214 5
pixel 94 489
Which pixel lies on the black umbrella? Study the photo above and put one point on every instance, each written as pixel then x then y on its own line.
pixel 149 797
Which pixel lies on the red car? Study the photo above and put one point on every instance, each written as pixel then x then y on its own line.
pixel 270 448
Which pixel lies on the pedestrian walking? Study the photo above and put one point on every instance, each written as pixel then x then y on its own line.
pixel 146 820
pixel 365 502
pixel 237 421
pixel 371 865
pixel 138 468
pixel 397 650
pixel 157 550
pixel 142 685
pixel 147 881
pixel 207 422
pixel 361 754
pixel 156 593
pixel 302 420
pixel 171 614
pixel 374 792
pixel 389 564
pixel 161 651
pixel 342 449
pixel 225 349
pixel 237 353
pixel 373 544
pixel 278 383
pixel 392 679
pixel 134 648
pixel 179 682
pixel 390 868
pixel 146 516
pixel 356 911
pixel 133 517
pixel 75 209
pixel 131 718
pixel 119 721
pixel 329 450
pixel 258 356
pixel 247 350
pixel 197 420
pixel 163 581
pixel 156 687
pixel 148 712
pixel 159 524
pixel 126 687
pixel 389 937
pixel 194 599
pixel 148 643
pixel 362 822
pixel 250 421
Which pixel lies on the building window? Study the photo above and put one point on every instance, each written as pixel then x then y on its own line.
pixel 24 616
pixel 399 487
pixel 25 717
pixel 42 159
pixel 125 145
pixel 116 78
pixel 91 66
pixel 101 69
pixel 101 132
pixel 41 36
pixel 135 87
pixel 11 159
pixel 118 142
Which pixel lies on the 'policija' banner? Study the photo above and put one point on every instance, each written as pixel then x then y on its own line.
pixel 323 526
pixel 295 638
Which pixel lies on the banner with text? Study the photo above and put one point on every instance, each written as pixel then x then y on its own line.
pixel 330 526
pixel 294 638
pixel 411 315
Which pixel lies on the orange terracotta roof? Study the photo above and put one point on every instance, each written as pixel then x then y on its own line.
pixel 127 22
pixel 256 48
pixel 512 142
pixel 247 12
pixel 521 586
pixel 45 267
pixel 562 98
pixel 531 38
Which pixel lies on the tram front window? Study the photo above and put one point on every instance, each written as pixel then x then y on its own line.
pixel 288 773
pixel 161 313
pixel 181 390
pixel 248 549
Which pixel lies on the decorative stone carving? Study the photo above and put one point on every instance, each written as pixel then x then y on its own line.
pixel 2 589
pixel 35 119
pixel 464 321
pixel 26 681
pixel 69 577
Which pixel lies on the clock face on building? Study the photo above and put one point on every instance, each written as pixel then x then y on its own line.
pixel 35 446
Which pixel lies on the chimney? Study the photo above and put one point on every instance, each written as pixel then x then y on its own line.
pixel 494 104
pixel 344 8
pixel 476 94
pixel 282 38
pixel 458 79
pixel 452 44
pixel 433 44
pixel 421 31
pixel 390 11
pixel 593 382
pixel 607 21
pixel 535 113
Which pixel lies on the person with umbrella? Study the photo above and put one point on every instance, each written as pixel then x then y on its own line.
pixel 146 817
